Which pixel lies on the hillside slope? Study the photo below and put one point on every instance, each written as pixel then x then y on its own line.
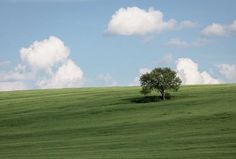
pixel 114 123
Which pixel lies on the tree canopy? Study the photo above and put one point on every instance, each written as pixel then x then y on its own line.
pixel 160 79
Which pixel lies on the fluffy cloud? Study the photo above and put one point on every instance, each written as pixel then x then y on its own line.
pixel 189 73
pixel 214 29
pixel 46 64
pixel 136 21
pixel 219 29
pixel 45 54
pixel 67 75
pixel 15 79
pixel 18 74
pixel 136 81
pixel 228 71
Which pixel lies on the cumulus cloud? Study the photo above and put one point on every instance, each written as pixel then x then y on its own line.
pixel 46 64
pixel 134 21
pixel 189 73
pixel 15 79
pixel 19 73
pixel 45 54
pixel 136 81
pixel 137 21
pixel 216 29
pixel 228 71
pixel 67 75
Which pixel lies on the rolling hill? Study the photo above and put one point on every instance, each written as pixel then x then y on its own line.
pixel 199 122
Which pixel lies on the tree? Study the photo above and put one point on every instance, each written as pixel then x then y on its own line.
pixel 160 79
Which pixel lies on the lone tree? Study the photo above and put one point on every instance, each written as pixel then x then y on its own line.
pixel 160 79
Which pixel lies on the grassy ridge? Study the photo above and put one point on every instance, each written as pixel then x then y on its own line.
pixel 199 122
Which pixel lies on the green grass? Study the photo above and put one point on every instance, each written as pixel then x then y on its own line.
pixel 199 122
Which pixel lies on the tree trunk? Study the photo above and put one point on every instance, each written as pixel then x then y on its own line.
pixel 163 95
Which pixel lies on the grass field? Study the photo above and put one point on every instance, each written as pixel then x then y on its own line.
pixel 199 122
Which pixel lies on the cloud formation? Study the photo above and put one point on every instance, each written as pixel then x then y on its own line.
pixel 187 70
pixel 67 75
pixel 216 29
pixel 15 79
pixel 134 21
pixel 45 54
pixel 228 71
pixel 44 64
pixel 137 21
pixel 189 73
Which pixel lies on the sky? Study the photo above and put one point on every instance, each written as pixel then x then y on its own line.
pixel 97 43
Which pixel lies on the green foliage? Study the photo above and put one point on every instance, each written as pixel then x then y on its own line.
pixel 103 123
pixel 160 79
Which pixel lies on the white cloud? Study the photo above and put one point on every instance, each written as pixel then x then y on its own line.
pixel 189 73
pixel 14 79
pixel 136 81
pixel 137 21
pixel 46 64
pixel 214 30
pixel 228 71
pixel 12 76
pixel 18 74
pixel 187 24
pixel 68 75
pixel 219 29
pixel 45 54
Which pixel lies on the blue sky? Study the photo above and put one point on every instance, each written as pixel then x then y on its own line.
pixel 113 58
